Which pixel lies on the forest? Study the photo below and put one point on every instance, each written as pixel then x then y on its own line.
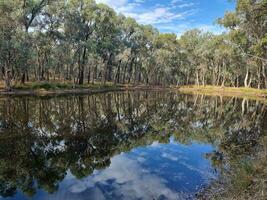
pixel 82 42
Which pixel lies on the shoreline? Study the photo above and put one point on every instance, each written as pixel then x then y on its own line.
pixel 241 92
pixel 77 91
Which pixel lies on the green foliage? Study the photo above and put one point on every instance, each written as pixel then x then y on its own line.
pixel 49 86
pixel 78 40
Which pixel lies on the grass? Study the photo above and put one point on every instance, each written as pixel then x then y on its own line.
pixel 57 85
pixel 49 88
pixel 246 179
pixel 43 87
pixel 225 91
pixel 60 86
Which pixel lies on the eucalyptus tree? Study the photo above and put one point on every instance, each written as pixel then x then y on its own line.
pixel 190 42
pixel 77 38
pixel 49 40
pixel 248 27
pixel 106 38
pixel 79 26
pixel 29 12
pixel 146 63
pixel 133 35
pixel 167 59
pixel 17 17
pixel 8 33
pixel 137 44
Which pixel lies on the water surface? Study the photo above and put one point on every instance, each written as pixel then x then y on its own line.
pixel 131 145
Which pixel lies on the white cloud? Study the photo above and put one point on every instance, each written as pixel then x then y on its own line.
pixel 114 4
pixel 155 144
pixel 181 28
pixel 157 14
pixel 185 5
pixel 131 181
pixel 170 157
pixel 215 29
pixel 169 16
pixel 176 1
pixel 139 1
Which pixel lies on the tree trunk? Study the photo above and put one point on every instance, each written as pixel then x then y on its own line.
pixel 264 74
pixel 95 74
pixel 130 70
pixel 82 64
pixel 223 81
pixel 197 78
pixel 23 77
pixel 124 73
pixel 117 77
pixel 109 66
pixel 187 77
pixel 104 75
pixel 219 76
pixel 203 78
pixel 8 80
pixel 88 75
pixel 246 79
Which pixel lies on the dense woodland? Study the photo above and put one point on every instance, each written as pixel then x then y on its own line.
pixel 80 41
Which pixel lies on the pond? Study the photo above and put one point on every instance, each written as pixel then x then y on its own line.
pixel 125 145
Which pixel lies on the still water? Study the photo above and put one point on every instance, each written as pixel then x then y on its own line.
pixel 130 145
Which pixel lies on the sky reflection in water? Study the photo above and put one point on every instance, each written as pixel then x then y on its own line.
pixel 136 145
pixel 158 171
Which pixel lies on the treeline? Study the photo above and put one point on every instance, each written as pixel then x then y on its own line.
pixel 80 41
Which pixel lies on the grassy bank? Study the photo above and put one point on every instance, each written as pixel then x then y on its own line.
pixel 64 86
pixel 50 88
pixel 224 91
pixel 246 180
pixel 42 88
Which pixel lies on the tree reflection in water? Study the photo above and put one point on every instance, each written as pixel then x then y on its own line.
pixel 41 139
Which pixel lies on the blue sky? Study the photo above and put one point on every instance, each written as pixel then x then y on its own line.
pixel 175 16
